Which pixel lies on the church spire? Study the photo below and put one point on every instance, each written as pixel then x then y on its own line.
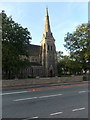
pixel 47 24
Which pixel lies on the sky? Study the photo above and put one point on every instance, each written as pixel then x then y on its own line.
pixel 64 17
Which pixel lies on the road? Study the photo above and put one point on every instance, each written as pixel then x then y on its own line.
pixel 66 101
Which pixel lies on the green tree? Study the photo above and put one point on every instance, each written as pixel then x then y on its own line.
pixel 62 65
pixel 67 66
pixel 78 43
pixel 59 55
pixel 14 41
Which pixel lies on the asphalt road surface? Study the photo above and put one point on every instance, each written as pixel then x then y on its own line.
pixel 66 101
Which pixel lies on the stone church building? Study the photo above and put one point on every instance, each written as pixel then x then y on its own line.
pixel 43 58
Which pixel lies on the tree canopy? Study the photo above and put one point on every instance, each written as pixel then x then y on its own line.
pixel 67 66
pixel 14 41
pixel 78 43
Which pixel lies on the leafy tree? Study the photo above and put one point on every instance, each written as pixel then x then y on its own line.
pixel 62 66
pixel 68 66
pixel 78 43
pixel 14 41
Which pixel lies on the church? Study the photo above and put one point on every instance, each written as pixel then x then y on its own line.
pixel 43 58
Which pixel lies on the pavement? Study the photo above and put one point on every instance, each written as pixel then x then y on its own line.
pixel 39 86
pixel 53 101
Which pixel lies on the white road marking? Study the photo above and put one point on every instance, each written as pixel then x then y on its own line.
pixel 50 96
pixel 34 117
pixel 14 93
pixel 56 113
pixel 37 97
pixel 82 91
pixel 25 99
pixel 31 118
pixel 78 109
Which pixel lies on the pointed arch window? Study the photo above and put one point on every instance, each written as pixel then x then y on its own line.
pixel 51 47
pixel 48 47
pixel 44 46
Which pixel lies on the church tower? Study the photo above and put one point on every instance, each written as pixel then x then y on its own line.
pixel 48 54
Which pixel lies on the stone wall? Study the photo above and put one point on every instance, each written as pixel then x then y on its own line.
pixel 40 81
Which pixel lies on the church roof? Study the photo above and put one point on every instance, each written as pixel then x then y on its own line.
pixel 34 50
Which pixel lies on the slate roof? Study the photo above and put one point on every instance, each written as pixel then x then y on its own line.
pixel 34 50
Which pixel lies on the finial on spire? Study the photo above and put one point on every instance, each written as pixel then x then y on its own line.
pixel 47 7
pixel 46 11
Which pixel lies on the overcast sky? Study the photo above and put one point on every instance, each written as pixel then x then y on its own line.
pixel 64 17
